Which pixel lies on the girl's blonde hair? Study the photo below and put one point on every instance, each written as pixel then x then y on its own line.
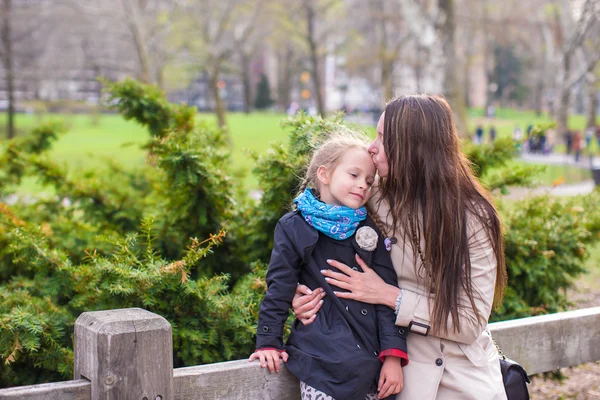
pixel 329 154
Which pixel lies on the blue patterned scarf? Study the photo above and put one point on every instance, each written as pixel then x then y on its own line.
pixel 337 222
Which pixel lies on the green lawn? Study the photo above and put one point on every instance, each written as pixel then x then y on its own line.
pixel 92 138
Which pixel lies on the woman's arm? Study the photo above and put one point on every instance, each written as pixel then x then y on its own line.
pixel 415 307
pixel 366 286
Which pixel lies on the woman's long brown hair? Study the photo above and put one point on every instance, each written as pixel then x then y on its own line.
pixel 430 184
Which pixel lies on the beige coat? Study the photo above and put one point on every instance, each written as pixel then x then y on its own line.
pixel 461 365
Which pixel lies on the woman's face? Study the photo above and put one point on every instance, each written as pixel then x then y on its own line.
pixel 377 153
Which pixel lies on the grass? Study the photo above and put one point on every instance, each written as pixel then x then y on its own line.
pixel 93 137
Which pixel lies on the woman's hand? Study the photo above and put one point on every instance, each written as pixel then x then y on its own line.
pixel 366 286
pixel 270 358
pixel 307 303
pixel 391 378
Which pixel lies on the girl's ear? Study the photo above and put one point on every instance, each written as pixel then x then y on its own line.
pixel 323 175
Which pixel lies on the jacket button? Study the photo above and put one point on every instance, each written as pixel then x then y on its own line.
pixel 265 329
pixel 347 309
pixel 355 269
pixel 439 362
pixel 363 311
pixel 401 331
pixel 358 345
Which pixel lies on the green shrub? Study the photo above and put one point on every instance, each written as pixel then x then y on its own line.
pixel 38 310
pixel 545 249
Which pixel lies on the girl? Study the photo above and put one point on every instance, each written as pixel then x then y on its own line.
pixel 447 252
pixel 340 354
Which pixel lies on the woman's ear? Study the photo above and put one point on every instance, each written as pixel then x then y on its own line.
pixel 323 175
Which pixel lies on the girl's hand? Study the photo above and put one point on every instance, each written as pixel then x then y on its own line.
pixel 366 286
pixel 306 303
pixel 391 379
pixel 270 358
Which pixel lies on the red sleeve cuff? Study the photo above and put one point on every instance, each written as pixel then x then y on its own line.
pixel 394 353
pixel 270 348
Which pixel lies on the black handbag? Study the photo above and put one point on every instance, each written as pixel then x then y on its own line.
pixel 514 377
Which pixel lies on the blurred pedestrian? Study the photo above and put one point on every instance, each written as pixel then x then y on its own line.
pixel 569 140
pixel 479 134
pixel 550 140
pixel 577 142
pixel 492 133
pixel 518 137
pixel 589 134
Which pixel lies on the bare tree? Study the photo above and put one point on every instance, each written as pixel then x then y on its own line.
pixel 571 36
pixel 217 24
pixel 248 40
pixel 433 25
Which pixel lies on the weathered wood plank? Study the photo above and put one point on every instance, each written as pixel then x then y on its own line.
pixel 540 344
pixel 234 380
pixel 126 354
pixel 79 389
pixel 548 342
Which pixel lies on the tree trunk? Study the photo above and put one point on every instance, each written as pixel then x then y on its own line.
pixel 138 38
pixel 8 65
pixel 314 59
pixel 387 72
pixel 452 87
pixel 538 95
pixel 214 74
pixel 592 99
pixel 386 64
pixel 246 82
pixel 564 97
pixel 160 76
pixel 284 78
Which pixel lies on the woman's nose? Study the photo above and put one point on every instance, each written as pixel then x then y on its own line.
pixel 372 148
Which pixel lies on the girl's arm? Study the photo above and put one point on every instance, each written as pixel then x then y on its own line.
pixel 282 278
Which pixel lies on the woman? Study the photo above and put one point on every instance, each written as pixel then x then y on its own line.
pixel 446 247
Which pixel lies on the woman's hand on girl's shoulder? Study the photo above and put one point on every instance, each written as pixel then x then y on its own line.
pixel 270 358
pixel 307 303
pixel 391 378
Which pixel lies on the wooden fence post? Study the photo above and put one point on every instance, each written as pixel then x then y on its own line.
pixel 126 354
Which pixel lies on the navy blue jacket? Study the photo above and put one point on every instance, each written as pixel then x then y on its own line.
pixel 338 353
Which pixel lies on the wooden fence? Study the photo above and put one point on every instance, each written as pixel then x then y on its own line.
pixel 127 355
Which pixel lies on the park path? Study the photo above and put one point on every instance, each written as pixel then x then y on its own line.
pixel 573 189
pixel 561 159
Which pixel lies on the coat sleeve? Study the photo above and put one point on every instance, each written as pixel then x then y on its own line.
pixel 392 339
pixel 415 307
pixel 282 278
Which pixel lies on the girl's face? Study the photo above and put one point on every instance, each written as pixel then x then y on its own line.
pixel 377 152
pixel 349 183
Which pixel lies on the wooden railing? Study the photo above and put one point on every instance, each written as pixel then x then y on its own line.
pixel 127 355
